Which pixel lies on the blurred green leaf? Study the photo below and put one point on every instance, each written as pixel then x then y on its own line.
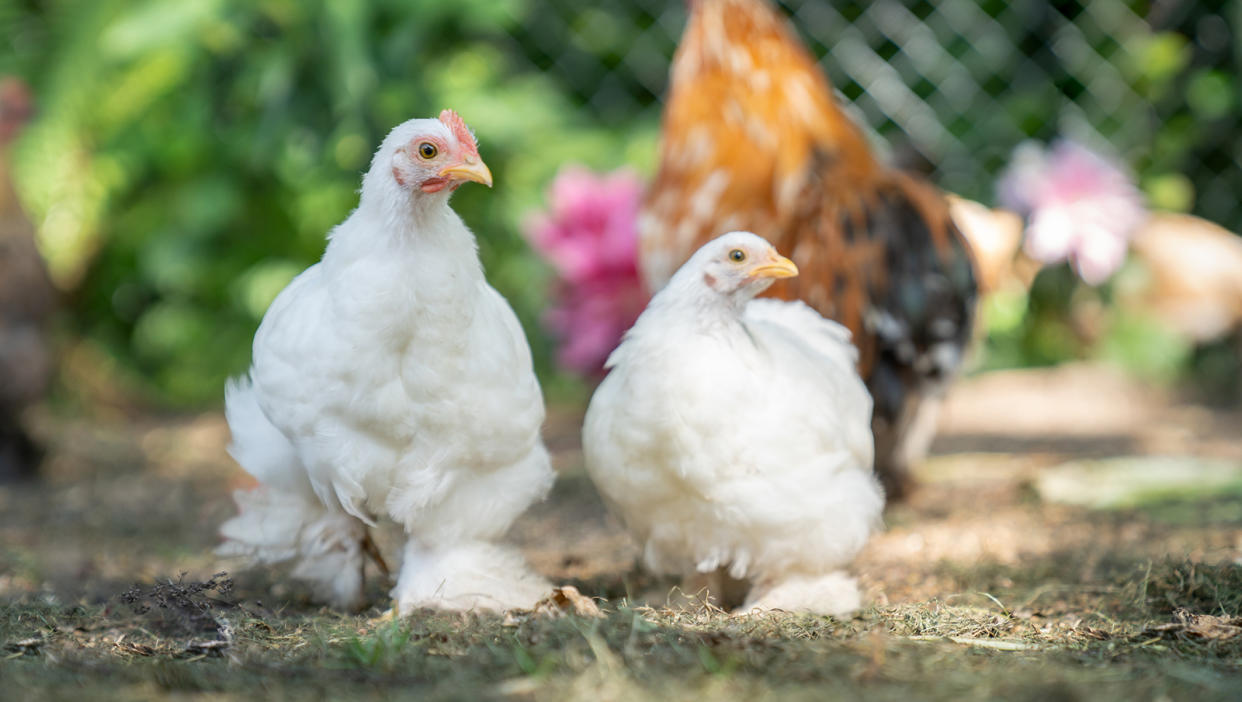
pixel 1211 94
pixel 168 329
pixel 1005 309
pixel 153 24
pixel 1158 58
pixel 1145 347
pixel 1169 191
pixel 261 284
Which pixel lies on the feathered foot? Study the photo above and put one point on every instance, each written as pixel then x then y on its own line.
pixel 835 594
pixel 477 575
pixel 328 548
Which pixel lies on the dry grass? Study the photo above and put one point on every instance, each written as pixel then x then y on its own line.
pixel 979 591
pixel 1117 641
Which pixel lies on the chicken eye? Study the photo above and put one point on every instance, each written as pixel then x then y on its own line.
pixel 427 150
pixel 737 255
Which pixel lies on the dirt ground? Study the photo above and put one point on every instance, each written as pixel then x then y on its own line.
pixel 1002 567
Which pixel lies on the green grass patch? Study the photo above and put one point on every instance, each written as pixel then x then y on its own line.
pixel 980 647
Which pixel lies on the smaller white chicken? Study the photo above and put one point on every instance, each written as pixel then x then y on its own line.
pixel 391 380
pixel 732 436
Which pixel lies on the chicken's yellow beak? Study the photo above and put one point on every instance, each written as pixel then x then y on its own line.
pixel 471 169
pixel 776 266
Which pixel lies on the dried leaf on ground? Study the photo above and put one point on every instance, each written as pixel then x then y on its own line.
pixel 1204 626
pixel 567 600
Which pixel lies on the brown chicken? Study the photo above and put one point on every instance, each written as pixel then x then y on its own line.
pixel 26 302
pixel 1193 276
pixel 754 140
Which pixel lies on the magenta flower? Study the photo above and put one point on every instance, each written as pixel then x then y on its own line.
pixel 591 238
pixel 1081 206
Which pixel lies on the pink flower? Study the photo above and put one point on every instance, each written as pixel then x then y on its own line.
pixel 591 238
pixel 591 319
pixel 1082 206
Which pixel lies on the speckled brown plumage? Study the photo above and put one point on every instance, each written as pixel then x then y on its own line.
pixel 754 139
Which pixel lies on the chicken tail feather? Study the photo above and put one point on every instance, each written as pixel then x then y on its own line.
pixel 258 445
pixel 282 520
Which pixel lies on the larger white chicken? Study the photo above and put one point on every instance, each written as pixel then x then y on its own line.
pixel 390 379
pixel 732 435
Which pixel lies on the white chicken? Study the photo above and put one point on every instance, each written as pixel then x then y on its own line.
pixel 732 435
pixel 391 379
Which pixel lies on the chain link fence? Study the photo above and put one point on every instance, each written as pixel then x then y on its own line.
pixel 187 157
pixel 952 87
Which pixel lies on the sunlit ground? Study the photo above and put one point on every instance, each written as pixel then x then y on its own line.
pixel 1076 536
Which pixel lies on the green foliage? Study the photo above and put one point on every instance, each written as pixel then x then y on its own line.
pixel 1033 329
pixel 1145 347
pixel 191 155
pixel 1062 318
pixel 1157 60
pixel 380 649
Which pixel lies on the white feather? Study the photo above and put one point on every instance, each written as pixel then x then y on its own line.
pixel 833 593
pixel 389 380
pixel 325 547
pixel 466 576
pixel 734 434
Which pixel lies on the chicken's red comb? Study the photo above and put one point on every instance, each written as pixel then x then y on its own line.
pixel 454 122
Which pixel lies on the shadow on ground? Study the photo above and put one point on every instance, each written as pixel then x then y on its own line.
pixel 979 587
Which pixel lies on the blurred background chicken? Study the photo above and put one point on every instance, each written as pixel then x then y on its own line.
pixel 753 139
pixel 995 238
pixel 1178 275
pixel 26 301
pixel 1192 278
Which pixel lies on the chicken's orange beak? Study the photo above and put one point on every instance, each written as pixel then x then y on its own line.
pixel 777 266
pixel 472 168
